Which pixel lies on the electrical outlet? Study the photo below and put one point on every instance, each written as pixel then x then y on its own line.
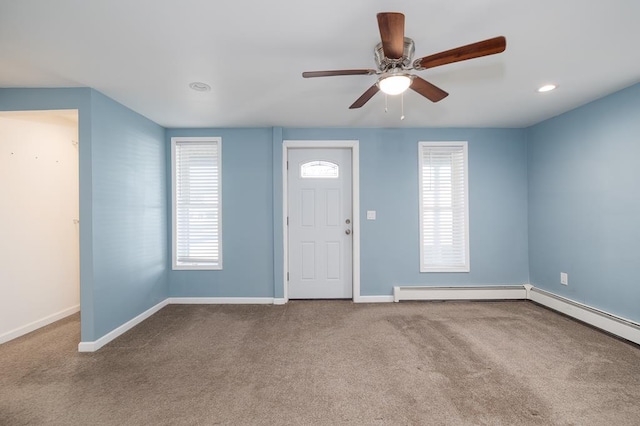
pixel 564 278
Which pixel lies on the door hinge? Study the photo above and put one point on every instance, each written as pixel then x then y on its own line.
pixel 287 165
pixel 287 276
pixel 287 220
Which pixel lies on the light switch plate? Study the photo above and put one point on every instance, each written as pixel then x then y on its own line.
pixel 371 215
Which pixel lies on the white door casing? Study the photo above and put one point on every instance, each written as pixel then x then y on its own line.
pixel 321 242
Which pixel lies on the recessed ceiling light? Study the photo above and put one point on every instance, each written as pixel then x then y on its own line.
pixel 547 88
pixel 199 86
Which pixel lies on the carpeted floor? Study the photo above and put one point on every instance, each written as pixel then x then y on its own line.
pixel 327 363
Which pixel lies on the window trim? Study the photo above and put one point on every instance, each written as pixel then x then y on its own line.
pixel 457 144
pixel 174 219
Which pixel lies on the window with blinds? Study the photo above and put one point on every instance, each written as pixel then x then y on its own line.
pixel 444 209
pixel 196 187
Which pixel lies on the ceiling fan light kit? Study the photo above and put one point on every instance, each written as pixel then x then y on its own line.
pixel 394 60
pixel 394 83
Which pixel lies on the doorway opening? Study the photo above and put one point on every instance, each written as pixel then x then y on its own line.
pixel 39 219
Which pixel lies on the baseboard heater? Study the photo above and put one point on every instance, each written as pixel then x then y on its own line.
pixel 613 324
pixel 510 292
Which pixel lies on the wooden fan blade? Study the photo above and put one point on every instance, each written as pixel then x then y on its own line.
pixel 309 74
pixel 391 25
pixel 365 97
pixel 470 51
pixel 428 90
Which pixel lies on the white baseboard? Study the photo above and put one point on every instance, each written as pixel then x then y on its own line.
pixel 97 344
pixel 511 292
pixel 373 299
pixel 33 326
pixel 223 300
pixel 616 325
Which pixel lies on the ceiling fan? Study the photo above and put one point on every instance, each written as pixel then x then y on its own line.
pixel 394 60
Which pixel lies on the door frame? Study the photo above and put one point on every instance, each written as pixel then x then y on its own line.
pixel 355 205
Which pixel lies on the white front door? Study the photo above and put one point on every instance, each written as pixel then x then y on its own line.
pixel 320 223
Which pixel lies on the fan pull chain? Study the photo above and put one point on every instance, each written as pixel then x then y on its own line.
pixel 386 105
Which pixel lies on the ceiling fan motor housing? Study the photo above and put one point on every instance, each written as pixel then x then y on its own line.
pixel 385 64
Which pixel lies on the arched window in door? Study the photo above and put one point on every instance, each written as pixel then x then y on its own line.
pixel 319 169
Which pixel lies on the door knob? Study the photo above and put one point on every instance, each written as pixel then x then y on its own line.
pixel 348 231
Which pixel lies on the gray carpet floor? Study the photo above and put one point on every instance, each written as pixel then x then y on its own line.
pixel 327 363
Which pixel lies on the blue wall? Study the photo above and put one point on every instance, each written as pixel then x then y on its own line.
pixel 247 218
pixel 129 214
pixel 123 254
pixel 558 196
pixel 252 209
pixel 389 185
pixel 584 203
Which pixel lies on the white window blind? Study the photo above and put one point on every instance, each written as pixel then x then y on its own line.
pixel 444 212
pixel 196 173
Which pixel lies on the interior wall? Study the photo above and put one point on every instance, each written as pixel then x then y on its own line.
pixel 39 249
pixel 578 169
pixel 123 252
pixel 389 253
pixel 252 209
pixel 129 215
pixel 247 218
pixel 584 203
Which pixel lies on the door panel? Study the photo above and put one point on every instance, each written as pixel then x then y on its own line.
pixel 320 208
pixel 333 261
pixel 308 260
pixel 333 207
pixel 308 203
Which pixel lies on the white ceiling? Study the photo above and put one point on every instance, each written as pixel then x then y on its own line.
pixel 144 54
